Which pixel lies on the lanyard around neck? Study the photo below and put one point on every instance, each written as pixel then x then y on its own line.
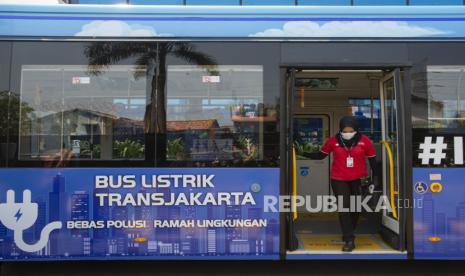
pixel 347 149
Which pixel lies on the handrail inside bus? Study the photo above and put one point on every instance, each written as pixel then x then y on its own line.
pixel 391 177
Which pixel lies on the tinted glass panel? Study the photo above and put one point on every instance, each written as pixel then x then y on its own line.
pixel 85 109
pixel 446 96
pixel 69 112
pixel 222 101
pixel 368 114
pixel 308 135
pixel 112 104
pixel 216 113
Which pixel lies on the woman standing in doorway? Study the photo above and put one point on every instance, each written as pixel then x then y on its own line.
pixel 349 148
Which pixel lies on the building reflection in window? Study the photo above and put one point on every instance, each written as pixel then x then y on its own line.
pixel 446 96
pixel 68 113
pixel 216 113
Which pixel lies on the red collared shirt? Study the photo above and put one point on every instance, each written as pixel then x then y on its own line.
pixel 339 168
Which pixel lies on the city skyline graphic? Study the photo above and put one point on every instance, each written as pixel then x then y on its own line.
pixel 439 225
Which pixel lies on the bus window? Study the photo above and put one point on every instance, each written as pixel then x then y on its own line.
pixel 108 104
pixel 216 114
pixel 368 114
pixel 446 96
pixel 68 112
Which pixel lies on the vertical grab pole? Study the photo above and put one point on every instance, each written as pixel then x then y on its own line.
pixel 391 178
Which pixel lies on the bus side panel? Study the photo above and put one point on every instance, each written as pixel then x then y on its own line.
pixel 138 213
pixel 439 213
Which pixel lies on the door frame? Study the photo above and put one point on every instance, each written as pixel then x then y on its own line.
pixel 405 142
pixel 390 223
pixel 289 92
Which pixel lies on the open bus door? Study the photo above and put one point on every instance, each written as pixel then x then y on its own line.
pixel 389 100
pixel 318 233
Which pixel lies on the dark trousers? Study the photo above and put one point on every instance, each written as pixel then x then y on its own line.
pixel 347 220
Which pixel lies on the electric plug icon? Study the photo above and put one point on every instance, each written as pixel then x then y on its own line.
pixel 19 216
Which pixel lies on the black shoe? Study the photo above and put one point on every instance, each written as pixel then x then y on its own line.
pixel 348 246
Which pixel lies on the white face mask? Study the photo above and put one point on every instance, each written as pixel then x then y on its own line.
pixel 348 135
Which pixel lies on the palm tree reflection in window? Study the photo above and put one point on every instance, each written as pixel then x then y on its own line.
pixel 151 56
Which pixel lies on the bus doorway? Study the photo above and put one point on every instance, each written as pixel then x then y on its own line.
pixel 317 100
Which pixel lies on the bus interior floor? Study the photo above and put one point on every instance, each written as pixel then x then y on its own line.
pixel 320 233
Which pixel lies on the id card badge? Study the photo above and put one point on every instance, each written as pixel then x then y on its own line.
pixel 350 162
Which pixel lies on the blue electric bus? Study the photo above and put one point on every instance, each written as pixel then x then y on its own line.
pixel 177 132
